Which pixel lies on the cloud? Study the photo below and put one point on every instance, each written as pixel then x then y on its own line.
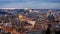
pixel 34 4
pixel 16 1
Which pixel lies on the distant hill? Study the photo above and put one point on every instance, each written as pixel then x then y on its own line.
pixel 5 11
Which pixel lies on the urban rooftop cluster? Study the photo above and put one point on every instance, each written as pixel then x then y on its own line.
pixel 29 21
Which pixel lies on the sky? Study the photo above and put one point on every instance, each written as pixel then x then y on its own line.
pixel 33 4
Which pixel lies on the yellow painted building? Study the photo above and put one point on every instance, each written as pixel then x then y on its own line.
pixel 22 18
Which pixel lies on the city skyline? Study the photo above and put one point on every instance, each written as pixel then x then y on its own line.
pixel 33 4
